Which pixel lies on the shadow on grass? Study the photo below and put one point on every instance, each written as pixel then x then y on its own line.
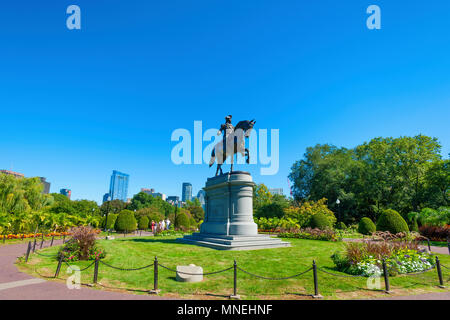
pixel 162 240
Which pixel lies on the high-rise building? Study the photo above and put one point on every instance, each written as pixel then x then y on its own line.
pixel 12 173
pixel 106 197
pixel 66 192
pixel 118 187
pixel 46 185
pixel 186 193
pixel 174 200
pixel 201 196
pixel 276 191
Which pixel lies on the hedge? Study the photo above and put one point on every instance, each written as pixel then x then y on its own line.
pixel 366 226
pixel 126 221
pixel 390 220
pixel 320 221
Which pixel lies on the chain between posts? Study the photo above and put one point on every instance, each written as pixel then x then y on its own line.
pixel 194 274
pixel 270 278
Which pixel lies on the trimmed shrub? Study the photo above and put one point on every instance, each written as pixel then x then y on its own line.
pixel 182 221
pixel 112 217
pixel 320 221
pixel 366 226
pixel 126 221
pixel 143 223
pixel 341 226
pixel 390 220
pixel 192 223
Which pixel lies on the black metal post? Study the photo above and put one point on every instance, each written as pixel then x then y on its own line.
pixel 28 251
pixel 64 238
pixel 34 245
pixel 438 267
pixel 96 271
pixel 42 242
pixel 448 245
pixel 155 277
pixel 429 245
pixel 4 237
pixel 58 268
pixel 316 295
pixel 51 243
pixel 235 295
pixel 386 278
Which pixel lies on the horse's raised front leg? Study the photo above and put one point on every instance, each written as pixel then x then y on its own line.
pixel 247 153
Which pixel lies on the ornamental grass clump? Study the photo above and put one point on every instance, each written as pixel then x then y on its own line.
pixel 82 245
pixel 366 258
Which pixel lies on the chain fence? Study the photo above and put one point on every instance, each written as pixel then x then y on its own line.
pixel 235 267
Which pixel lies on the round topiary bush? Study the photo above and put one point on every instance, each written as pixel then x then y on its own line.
pixel 112 217
pixel 182 221
pixel 390 220
pixel 366 226
pixel 126 221
pixel 320 221
pixel 143 223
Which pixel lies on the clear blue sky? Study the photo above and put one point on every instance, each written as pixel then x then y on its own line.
pixel 76 105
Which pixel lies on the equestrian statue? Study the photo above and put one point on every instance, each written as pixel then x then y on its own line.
pixel 233 142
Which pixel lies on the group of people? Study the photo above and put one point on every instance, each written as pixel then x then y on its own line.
pixel 161 225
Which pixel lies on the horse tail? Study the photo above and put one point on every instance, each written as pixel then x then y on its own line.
pixel 213 158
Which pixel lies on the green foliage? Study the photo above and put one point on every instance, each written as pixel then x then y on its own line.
pixel 366 226
pixel 193 223
pixel 143 223
pixel 195 209
pixel 405 174
pixel 182 221
pixel 390 220
pixel 113 206
pixel 341 225
pixel 431 217
pixel 320 221
pixel 126 221
pixel 112 217
pixel 303 214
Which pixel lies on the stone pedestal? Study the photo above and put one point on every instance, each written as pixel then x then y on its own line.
pixel 228 223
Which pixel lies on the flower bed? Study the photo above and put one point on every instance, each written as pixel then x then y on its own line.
pixel 366 258
pixel 33 235
pixel 312 234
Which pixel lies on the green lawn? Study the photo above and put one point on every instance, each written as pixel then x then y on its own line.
pixel 136 252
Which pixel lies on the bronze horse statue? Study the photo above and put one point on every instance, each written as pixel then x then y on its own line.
pixel 232 143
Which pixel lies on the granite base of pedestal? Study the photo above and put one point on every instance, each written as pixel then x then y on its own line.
pixel 224 242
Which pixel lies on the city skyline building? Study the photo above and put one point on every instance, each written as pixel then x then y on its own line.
pixel 118 188
pixel 186 192
pixel 66 192
pixel 12 173
pixel 278 191
pixel 46 185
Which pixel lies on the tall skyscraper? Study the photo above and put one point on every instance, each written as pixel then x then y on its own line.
pixel 201 196
pixel 186 193
pixel 66 192
pixel 118 188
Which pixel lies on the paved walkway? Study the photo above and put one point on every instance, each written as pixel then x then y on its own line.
pixel 16 285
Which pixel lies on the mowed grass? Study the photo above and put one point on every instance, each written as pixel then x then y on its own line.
pixel 140 251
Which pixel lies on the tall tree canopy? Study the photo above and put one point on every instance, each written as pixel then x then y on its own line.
pixel 405 174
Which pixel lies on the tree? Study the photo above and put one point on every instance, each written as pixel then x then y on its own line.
pixel 113 206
